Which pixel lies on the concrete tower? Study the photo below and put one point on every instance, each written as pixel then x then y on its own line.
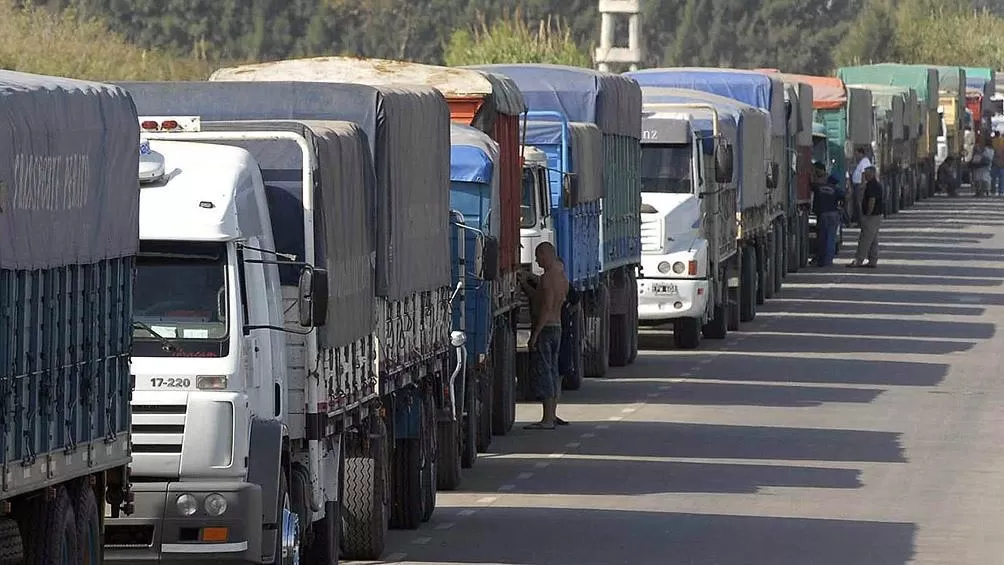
pixel 607 53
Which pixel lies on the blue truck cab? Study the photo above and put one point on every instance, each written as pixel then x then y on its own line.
pixel 589 125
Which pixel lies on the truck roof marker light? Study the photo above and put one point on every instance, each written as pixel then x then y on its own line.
pixel 171 123
pixel 149 125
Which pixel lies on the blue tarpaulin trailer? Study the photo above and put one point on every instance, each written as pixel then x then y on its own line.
pixel 611 103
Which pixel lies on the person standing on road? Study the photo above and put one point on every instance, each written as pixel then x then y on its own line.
pixel 997 182
pixel 871 220
pixel 857 183
pixel 827 199
pixel 983 157
pixel 546 300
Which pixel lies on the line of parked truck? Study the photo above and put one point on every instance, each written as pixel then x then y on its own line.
pixel 265 317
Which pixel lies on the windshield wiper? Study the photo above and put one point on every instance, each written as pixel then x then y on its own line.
pixel 168 344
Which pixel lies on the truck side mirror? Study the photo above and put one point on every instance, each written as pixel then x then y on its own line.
pixel 312 297
pixel 724 162
pixel 489 258
pixel 570 190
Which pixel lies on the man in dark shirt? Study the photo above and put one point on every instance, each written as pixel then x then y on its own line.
pixel 827 200
pixel 872 207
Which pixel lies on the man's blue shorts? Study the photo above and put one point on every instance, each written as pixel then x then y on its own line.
pixel 544 363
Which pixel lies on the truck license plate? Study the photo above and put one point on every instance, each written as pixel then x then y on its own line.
pixel 664 288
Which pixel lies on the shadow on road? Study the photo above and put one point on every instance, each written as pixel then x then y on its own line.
pixel 554 536
pixel 858 297
pixel 623 477
pixel 949 274
pixel 696 393
pixel 828 307
pixel 794 342
pixel 716 441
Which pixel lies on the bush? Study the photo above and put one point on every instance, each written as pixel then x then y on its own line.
pixel 36 40
pixel 511 39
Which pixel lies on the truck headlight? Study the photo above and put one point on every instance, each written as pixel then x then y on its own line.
pixel 679 267
pixel 215 504
pixel 187 505
pixel 665 267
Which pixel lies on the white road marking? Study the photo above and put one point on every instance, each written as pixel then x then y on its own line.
pixel 396 557
pixel 487 500
pixel 556 455
pixel 615 418
pixel 628 410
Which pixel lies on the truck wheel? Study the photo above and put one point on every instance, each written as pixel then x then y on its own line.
pixel 762 272
pixel 633 317
pixel 429 456
pixel 326 532
pixel 717 327
pixel 572 379
pixel 448 470
pixel 485 402
pixel 749 277
pixel 11 548
pixel 803 259
pixel 364 509
pixel 687 333
pixel 769 265
pixel 51 531
pixel 88 524
pixel 596 350
pixel 780 270
pixel 406 467
pixel 523 385
pixel 469 449
pixel 287 543
pixel 503 380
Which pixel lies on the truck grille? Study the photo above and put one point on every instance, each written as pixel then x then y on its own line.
pixel 158 431
pixel 651 235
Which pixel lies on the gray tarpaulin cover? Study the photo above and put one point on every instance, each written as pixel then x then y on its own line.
pixel 69 166
pixel 585 153
pixel 409 135
pixel 343 203
pixel 860 116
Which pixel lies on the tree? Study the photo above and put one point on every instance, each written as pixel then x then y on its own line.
pixel 63 43
pixel 512 40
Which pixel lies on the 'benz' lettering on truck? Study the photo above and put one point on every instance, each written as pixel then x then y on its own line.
pixel 649 135
pixel 44 182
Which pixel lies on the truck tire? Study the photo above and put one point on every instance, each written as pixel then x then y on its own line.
pixel 572 379
pixel 794 243
pixel 88 524
pixel 717 327
pixel 364 509
pixel 470 423
pixel 504 378
pixel 633 317
pixel 11 548
pixel 784 254
pixel 429 456
pixel 485 403
pixel 762 272
pixel 52 531
pixel 687 333
pixel 596 348
pixel 620 339
pixel 770 265
pixel 406 484
pixel 749 278
pixel 524 388
pixel 780 270
pixel 803 259
pixel 448 469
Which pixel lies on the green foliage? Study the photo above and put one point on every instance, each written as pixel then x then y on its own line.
pixel 936 32
pixel 513 40
pixel 65 43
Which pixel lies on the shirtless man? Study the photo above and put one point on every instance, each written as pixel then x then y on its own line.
pixel 547 297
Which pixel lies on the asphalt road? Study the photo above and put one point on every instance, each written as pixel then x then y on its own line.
pixel 858 421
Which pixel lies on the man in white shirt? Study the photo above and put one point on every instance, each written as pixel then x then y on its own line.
pixel 857 183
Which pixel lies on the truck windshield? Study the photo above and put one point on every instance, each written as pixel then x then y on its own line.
pixel 181 294
pixel 666 168
pixel 528 208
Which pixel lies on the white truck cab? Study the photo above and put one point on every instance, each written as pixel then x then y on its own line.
pixel 674 283
pixel 535 219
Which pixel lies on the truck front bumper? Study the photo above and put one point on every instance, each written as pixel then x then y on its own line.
pixel 662 300
pixel 158 533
